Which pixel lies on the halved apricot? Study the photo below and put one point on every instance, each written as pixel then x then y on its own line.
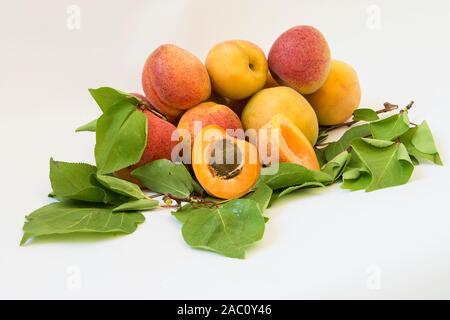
pixel 226 167
pixel 282 135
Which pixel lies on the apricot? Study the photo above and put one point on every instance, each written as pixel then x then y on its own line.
pixel 270 102
pixel 237 68
pixel 159 145
pixel 336 100
pixel 300 58
pixel 290 142
pixel 174 80
pixel 226 167
pixel 209 113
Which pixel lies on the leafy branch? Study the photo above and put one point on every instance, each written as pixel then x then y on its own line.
pixel 388 107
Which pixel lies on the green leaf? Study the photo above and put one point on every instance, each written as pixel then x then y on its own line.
pixel 378 143
pixel 88 127
pixel 138 205
pixel 164 176
pixel 299 187
pixel 335 148
pixel 420 144
pixel 108 97
pixel 356 176
pixel 121 138
pixel 182 214
pixel 365 115
pixel 320 154
pixel 290 174
pixel 356 179
pixel 261 196
pixel 388 166
pixel 74 181
pixel 74 217
pixel 423 139
pixel 336 166
pixel 228 230
pixel 390 128
pixel 120 186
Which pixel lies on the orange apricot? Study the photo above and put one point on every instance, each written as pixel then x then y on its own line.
pixel 175 80
pixel 290 142
pixel 209 113
pixel 226 167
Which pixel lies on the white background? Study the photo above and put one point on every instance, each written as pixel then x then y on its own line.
pixel 393 243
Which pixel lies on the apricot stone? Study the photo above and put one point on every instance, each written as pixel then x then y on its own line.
pixel 209 113
pixel 336 100
pixel 174 80
pixel 300 59
pixel 286 101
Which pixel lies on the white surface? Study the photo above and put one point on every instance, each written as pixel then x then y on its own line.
pixel 322 244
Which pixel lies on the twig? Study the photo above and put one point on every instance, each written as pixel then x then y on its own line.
pixel 195 200
pixel 325 144
pixel 388 107
pixel 150 108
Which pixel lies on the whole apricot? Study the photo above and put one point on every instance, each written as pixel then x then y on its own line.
pixel 336 100
pixel 209 113
pixel 300 58
pixel 284 100
pixel 237 68
pixel 174 80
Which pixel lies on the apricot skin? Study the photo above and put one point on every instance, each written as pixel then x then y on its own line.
pixel 159 145
pixel 174 80
pixel 237 68
pixel 270 102
pixel 209 113
pixel 336 100
pixel 300 58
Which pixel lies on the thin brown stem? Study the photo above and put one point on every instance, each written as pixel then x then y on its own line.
pixel 195 200
pixel 145 106
pixel 388 107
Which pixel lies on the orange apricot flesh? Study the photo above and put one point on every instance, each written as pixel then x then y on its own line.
pixel 290 142
pixel 226 167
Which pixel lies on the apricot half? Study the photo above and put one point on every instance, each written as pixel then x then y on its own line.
pixel 226 167
pixel 281 135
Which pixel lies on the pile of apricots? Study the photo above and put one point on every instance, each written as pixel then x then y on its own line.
pixel 295 90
